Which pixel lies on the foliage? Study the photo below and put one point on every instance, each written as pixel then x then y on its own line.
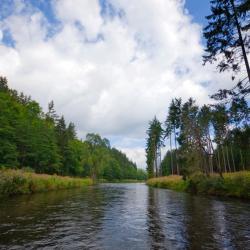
pixel 227 36
pixel 208 139
pixel 45 143
pixel 154 143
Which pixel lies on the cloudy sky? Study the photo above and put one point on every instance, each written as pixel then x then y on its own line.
pixel 109 65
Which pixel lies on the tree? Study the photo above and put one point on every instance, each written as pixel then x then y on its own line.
pixel 228 39
pixel 204 124
pixel 172 124
pixel 51 114
pixel 154 143
pixel 3 84
pixel 45 143
pixel 71 131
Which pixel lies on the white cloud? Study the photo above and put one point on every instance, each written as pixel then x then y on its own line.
pixel 136 154
pixel 86 12
pixel 115 84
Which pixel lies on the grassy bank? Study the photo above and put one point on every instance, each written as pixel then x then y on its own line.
pixel 120 181
pixel 232 185
pixel 13 182
pixel 174 182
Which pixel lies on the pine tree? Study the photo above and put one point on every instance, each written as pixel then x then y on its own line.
pixel 3 84
pixel 153 150
pixel 71 131
pixel 172 124
pixel 228 41
pixel 51 115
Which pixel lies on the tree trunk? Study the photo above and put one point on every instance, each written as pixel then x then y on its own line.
pixel 232 157
pixel 211 152
pixel 224 159
pixel 241 159
pixel 220 169
pixel 156 167
pixel 160 168
pixel 228 162
pixel 176 156
pixel 241 40
pixel 171 154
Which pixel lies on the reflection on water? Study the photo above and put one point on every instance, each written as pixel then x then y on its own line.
pixel 123 216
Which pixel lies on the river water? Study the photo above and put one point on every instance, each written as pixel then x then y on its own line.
pixel 123 216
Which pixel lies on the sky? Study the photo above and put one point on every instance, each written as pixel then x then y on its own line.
pixel 109 65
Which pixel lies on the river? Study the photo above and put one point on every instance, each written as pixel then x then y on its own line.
pixel 123 216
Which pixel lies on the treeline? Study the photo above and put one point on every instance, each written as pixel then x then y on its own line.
pixel 208 139
pixel 44 142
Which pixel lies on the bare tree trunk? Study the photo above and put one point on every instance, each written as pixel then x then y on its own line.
pixel 210 159
pixel 206 164
pixel 211 163
pixel 224 159
pixel 241 159
pixel 171 155
pixel 176 156
pixel 220 169
pixel 232 155
pixel 156 168
pixel 211 152
pixel 228 162
pixel 160 162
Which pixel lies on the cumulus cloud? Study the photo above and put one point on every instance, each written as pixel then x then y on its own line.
pixel 109 67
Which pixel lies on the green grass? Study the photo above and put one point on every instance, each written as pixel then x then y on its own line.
pixel 120 181
pixel 232 184
pixel 173 182
pixel 13 182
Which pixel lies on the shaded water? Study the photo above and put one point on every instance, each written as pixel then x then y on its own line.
pixel 123 216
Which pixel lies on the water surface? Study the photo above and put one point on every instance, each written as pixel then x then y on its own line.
pixel 123 216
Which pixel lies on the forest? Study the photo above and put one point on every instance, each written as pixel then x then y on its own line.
pixel 208 139
pixel 45 143
pixel 212 138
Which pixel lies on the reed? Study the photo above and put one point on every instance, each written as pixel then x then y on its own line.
pixel 13 182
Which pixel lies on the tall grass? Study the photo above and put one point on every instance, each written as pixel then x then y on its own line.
pixel 13 182
pixel 174 182
pixel 232 184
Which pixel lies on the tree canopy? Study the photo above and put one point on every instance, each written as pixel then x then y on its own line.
pixel 46 143
pixel 227 42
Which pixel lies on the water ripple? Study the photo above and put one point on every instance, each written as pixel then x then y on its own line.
pixel 123 216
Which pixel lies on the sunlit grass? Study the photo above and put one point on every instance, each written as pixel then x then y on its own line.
pixel 174 182
pixel 14 182
pixel 232 184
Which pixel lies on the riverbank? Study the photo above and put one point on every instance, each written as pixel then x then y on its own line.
pixel 120 181
pixel 13 182
pixel 231 185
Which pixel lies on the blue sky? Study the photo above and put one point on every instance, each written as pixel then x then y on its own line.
pixel 108 67
pixel 198 9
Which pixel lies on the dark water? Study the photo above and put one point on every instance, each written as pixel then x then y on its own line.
pixel 123 216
